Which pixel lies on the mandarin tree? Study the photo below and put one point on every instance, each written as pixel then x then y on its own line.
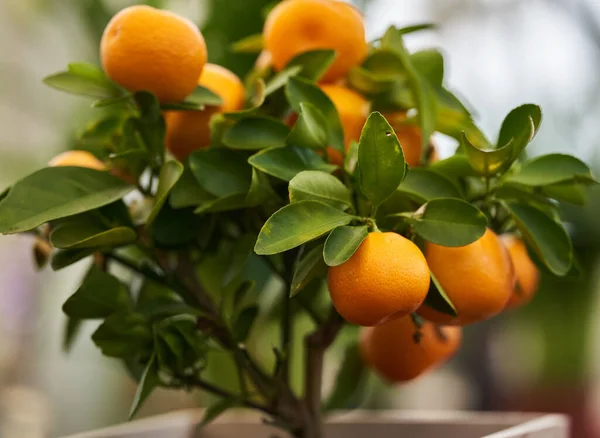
pixel 317 172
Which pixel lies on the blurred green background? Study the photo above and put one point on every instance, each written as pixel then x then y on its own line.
pixel 499 54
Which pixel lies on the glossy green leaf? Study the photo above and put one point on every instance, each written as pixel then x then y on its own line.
pixel 281 79
pixel 257 98
pixel 450 222
pixel 250 44
pixel 87 235
pixel 170 173
pixel 197 101
pixel 221 172
pixel 309 267
pixel 285 163
pixel 314 63
pixel 487 162
pixel 552 169
pixel 437 299
pixel 99 296
pixel 349 378
pixel 254 133
pixel 342 243
pixel 547 237
pixel 519 128
pixel 380 160
pixel 296 224
pixel 148 383
pixel 422 185
pixel 310 130
pixel 56 192
pixel 300 90
pixel 319 186
pixel 244 323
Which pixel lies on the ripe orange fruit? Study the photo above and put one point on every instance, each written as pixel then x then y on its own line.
pixel 386 277
pixel 190 130
pixel 143 48
pixel 526 271
pixel 392 351
pixel 296 26
pixel 353 110
pixel 77 159
pixel 409 136
pixel 478 279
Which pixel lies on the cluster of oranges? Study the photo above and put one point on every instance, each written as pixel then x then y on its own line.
pixel 387 279
pixel 385 283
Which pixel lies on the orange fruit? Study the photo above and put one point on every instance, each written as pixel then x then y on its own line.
pixel 146 49
pixel 527 273
pixel 353 109
pixel 77 159
pixel 296 26
pixel 386 277
pixel 409 136
pixel 190 130
pixel 392 350
pixel 478 279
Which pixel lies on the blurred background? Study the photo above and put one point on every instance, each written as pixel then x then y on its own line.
pixel 499 54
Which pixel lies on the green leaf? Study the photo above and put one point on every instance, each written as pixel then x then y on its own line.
pixel 430 64
pixel 86 80
pixel 56 192
pixel 300 90
pixel 552 169
pixel 257 98
pixel 197 101
pixel 250 44
pixel 188 192
pixel 423 185
pixel 296 224
pixel 310 266
pixel 342 243
pixel 227 203
pixel 350 376
pixel 285 163
pixel 67 257
pixel 241 254
pixel 150 125
pixel 416 28
pixel 244 323
pixel 450 222
pixel 455 166
pixel 255 132
pixel 176 228
pixel 72 329
pixel 215 410
pixel 221 172
pixel 148 383
pixel 170 173
pixel 123 335
pixel 519 128
pixel 566 192
pixel 180 346
pixel 310 130
pixel 319 186
pixel 99 296
pixel 260 189
pixel 380 160
pixel 487 162
pixel 314 63
pixel 81 235
pixel 437 299
pixel 547 237
pixel 281 79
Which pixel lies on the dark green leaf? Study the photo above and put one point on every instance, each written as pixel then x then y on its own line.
pixel 99 296
pixel 148 382
pixel 212 412
pixel 243 250
pixel 342 243
pixel 423 185
pixel 123 335
pixel 319 186
pixel 566 192
pixel 310 130
pixel 250 44
pixel 300 91
pixel 67 257
pixel 351 374
pixel 285 163
pixel 260 189
pixel 227 203
pixel 87 235
pixel 416 28
pixel 314 63
pixel 296 224
pixel 310 266
pixel 450 222
pixel 170 173
pixel 150 125
pixel 437 298
pixel 380 160
pixel 176 228
pixel 71 330
pixel 56 192
pixel 552 169
pixel 221 172
pixel 244 323
pixel 547 237
pixel 188 192
pixel 254 132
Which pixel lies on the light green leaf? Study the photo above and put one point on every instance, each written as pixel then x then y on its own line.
pixel 380 160
pixel 170 173
pixel 296 224
pixel 88 235
pixel 519 128
pixel 285 163
pixel 552 169
pixel 423 185
pixel 250 44
pixel 197 101
pixel 255 132
pixel 430 65
pixel 86 80
pixel 342 243
pixel 310 130
pixel 319 186
pixel 55 192
pixel 487 162
pixel 281 79
pixel 314 63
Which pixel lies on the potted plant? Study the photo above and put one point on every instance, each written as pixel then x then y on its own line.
pixel 193 192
